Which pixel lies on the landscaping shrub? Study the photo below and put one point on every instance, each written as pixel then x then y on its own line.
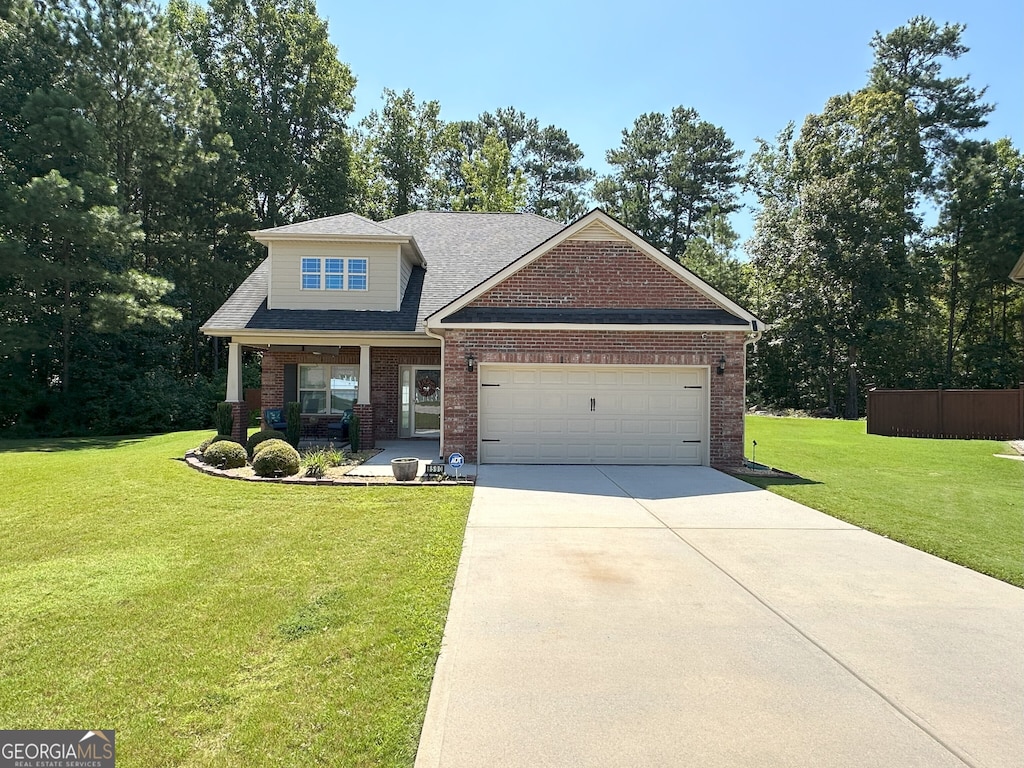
pixel 318 461
pixel 279 460
pixel 210 441
pixel 267 444
pixel 223 419
pixel 293 415
pixel 263 435
pixel 353 432
pixel 225 454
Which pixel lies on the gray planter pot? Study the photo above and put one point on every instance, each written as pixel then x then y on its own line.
pixel 405 469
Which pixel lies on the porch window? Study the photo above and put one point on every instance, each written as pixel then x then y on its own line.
pixel 325 389
pixel 334 274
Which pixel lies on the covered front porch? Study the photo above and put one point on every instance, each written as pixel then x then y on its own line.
pixel 393 385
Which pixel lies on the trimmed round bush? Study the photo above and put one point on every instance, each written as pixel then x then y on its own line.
pixel 259 437
pixel 210 441
pixel 276 461
pixel 225 454
pixel 267 444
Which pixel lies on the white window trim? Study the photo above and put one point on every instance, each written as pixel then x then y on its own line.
pixel 346 273
pixel 299 389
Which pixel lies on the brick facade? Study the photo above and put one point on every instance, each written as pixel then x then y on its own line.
pixel 385 363
pixel 240 422
pixel 587 274
pixel 380 422
pixel 598 348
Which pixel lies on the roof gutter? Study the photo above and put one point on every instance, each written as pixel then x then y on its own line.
pixel 440 445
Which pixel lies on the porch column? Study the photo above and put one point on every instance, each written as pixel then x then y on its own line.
pixel 234 393
pixel 364 374
pixel 362 407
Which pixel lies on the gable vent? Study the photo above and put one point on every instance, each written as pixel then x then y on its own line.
pixel 596 231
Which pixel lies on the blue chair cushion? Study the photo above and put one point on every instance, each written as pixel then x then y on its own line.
pixel 274 418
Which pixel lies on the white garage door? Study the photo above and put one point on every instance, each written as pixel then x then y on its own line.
pixel 569 414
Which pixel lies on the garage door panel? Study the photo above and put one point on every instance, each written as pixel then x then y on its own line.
pixel 525 376
pixel 551 427
pixel 551 402
pixel 607 379
pixel 578 378
pixel 593 414
pixel 634 426
pixel 579 426
pixel 577 452
pixel 550 377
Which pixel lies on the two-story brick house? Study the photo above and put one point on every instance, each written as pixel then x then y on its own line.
pixel 511 338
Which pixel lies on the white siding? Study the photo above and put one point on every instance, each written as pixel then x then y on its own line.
pixel 404 279
pixel 286 276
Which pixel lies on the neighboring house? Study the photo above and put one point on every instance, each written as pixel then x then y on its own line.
pixel 512 338
pixel 1017 273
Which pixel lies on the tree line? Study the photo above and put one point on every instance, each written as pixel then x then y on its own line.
pixel 138 145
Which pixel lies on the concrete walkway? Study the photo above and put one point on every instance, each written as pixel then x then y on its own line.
pixel 654 616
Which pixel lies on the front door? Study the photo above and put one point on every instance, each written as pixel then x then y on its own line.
pixel 421 402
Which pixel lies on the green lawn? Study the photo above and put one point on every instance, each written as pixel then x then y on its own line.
pixel 216 622
pixel 948 497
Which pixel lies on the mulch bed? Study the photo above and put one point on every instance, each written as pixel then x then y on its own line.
pixel 246 474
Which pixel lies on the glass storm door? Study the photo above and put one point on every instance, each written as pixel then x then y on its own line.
pixel 421 401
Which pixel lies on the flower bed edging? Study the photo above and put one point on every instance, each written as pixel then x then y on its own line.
pixel 193 460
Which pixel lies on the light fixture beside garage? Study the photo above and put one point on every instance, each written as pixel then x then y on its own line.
pixel 721 365
pixel 470 362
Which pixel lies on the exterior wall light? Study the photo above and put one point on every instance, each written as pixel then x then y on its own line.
pixel 721 365
pixel 470 362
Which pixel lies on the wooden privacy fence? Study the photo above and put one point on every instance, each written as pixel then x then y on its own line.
pixel 984 414
pixel 252 400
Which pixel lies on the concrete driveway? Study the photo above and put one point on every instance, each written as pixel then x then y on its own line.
pixel 655 616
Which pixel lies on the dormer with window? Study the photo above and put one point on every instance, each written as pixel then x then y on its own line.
pixel 344 262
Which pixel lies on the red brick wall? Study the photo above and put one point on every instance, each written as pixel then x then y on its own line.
pixel 384 395
pixel 588 274
pixel 598 348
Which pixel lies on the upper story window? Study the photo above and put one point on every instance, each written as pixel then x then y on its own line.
pixel 333 274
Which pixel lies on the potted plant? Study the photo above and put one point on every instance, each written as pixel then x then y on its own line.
pixel 405 469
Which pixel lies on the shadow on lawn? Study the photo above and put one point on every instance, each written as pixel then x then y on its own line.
pixel 58 444
pixel 770 482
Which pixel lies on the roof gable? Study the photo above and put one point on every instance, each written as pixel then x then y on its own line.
pixel 562 274
pixel 1017 273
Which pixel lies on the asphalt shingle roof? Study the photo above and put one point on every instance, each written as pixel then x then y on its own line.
pixel 461 251
pixel 345 319
pixel 238 310
pixel 342 224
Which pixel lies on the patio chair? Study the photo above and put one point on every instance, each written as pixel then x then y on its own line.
pixel 273 418
pixel 339 429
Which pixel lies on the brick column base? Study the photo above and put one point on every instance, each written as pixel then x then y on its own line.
pixel 365 413
pixel 240 425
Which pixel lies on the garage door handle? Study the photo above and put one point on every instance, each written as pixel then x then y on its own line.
pixel 593 405
pixel 489 440
pixel 693 441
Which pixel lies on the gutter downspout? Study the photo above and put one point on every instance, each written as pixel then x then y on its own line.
pixel 440 446
pixel 752 338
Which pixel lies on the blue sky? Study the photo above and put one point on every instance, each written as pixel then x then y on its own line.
pixel 593 67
